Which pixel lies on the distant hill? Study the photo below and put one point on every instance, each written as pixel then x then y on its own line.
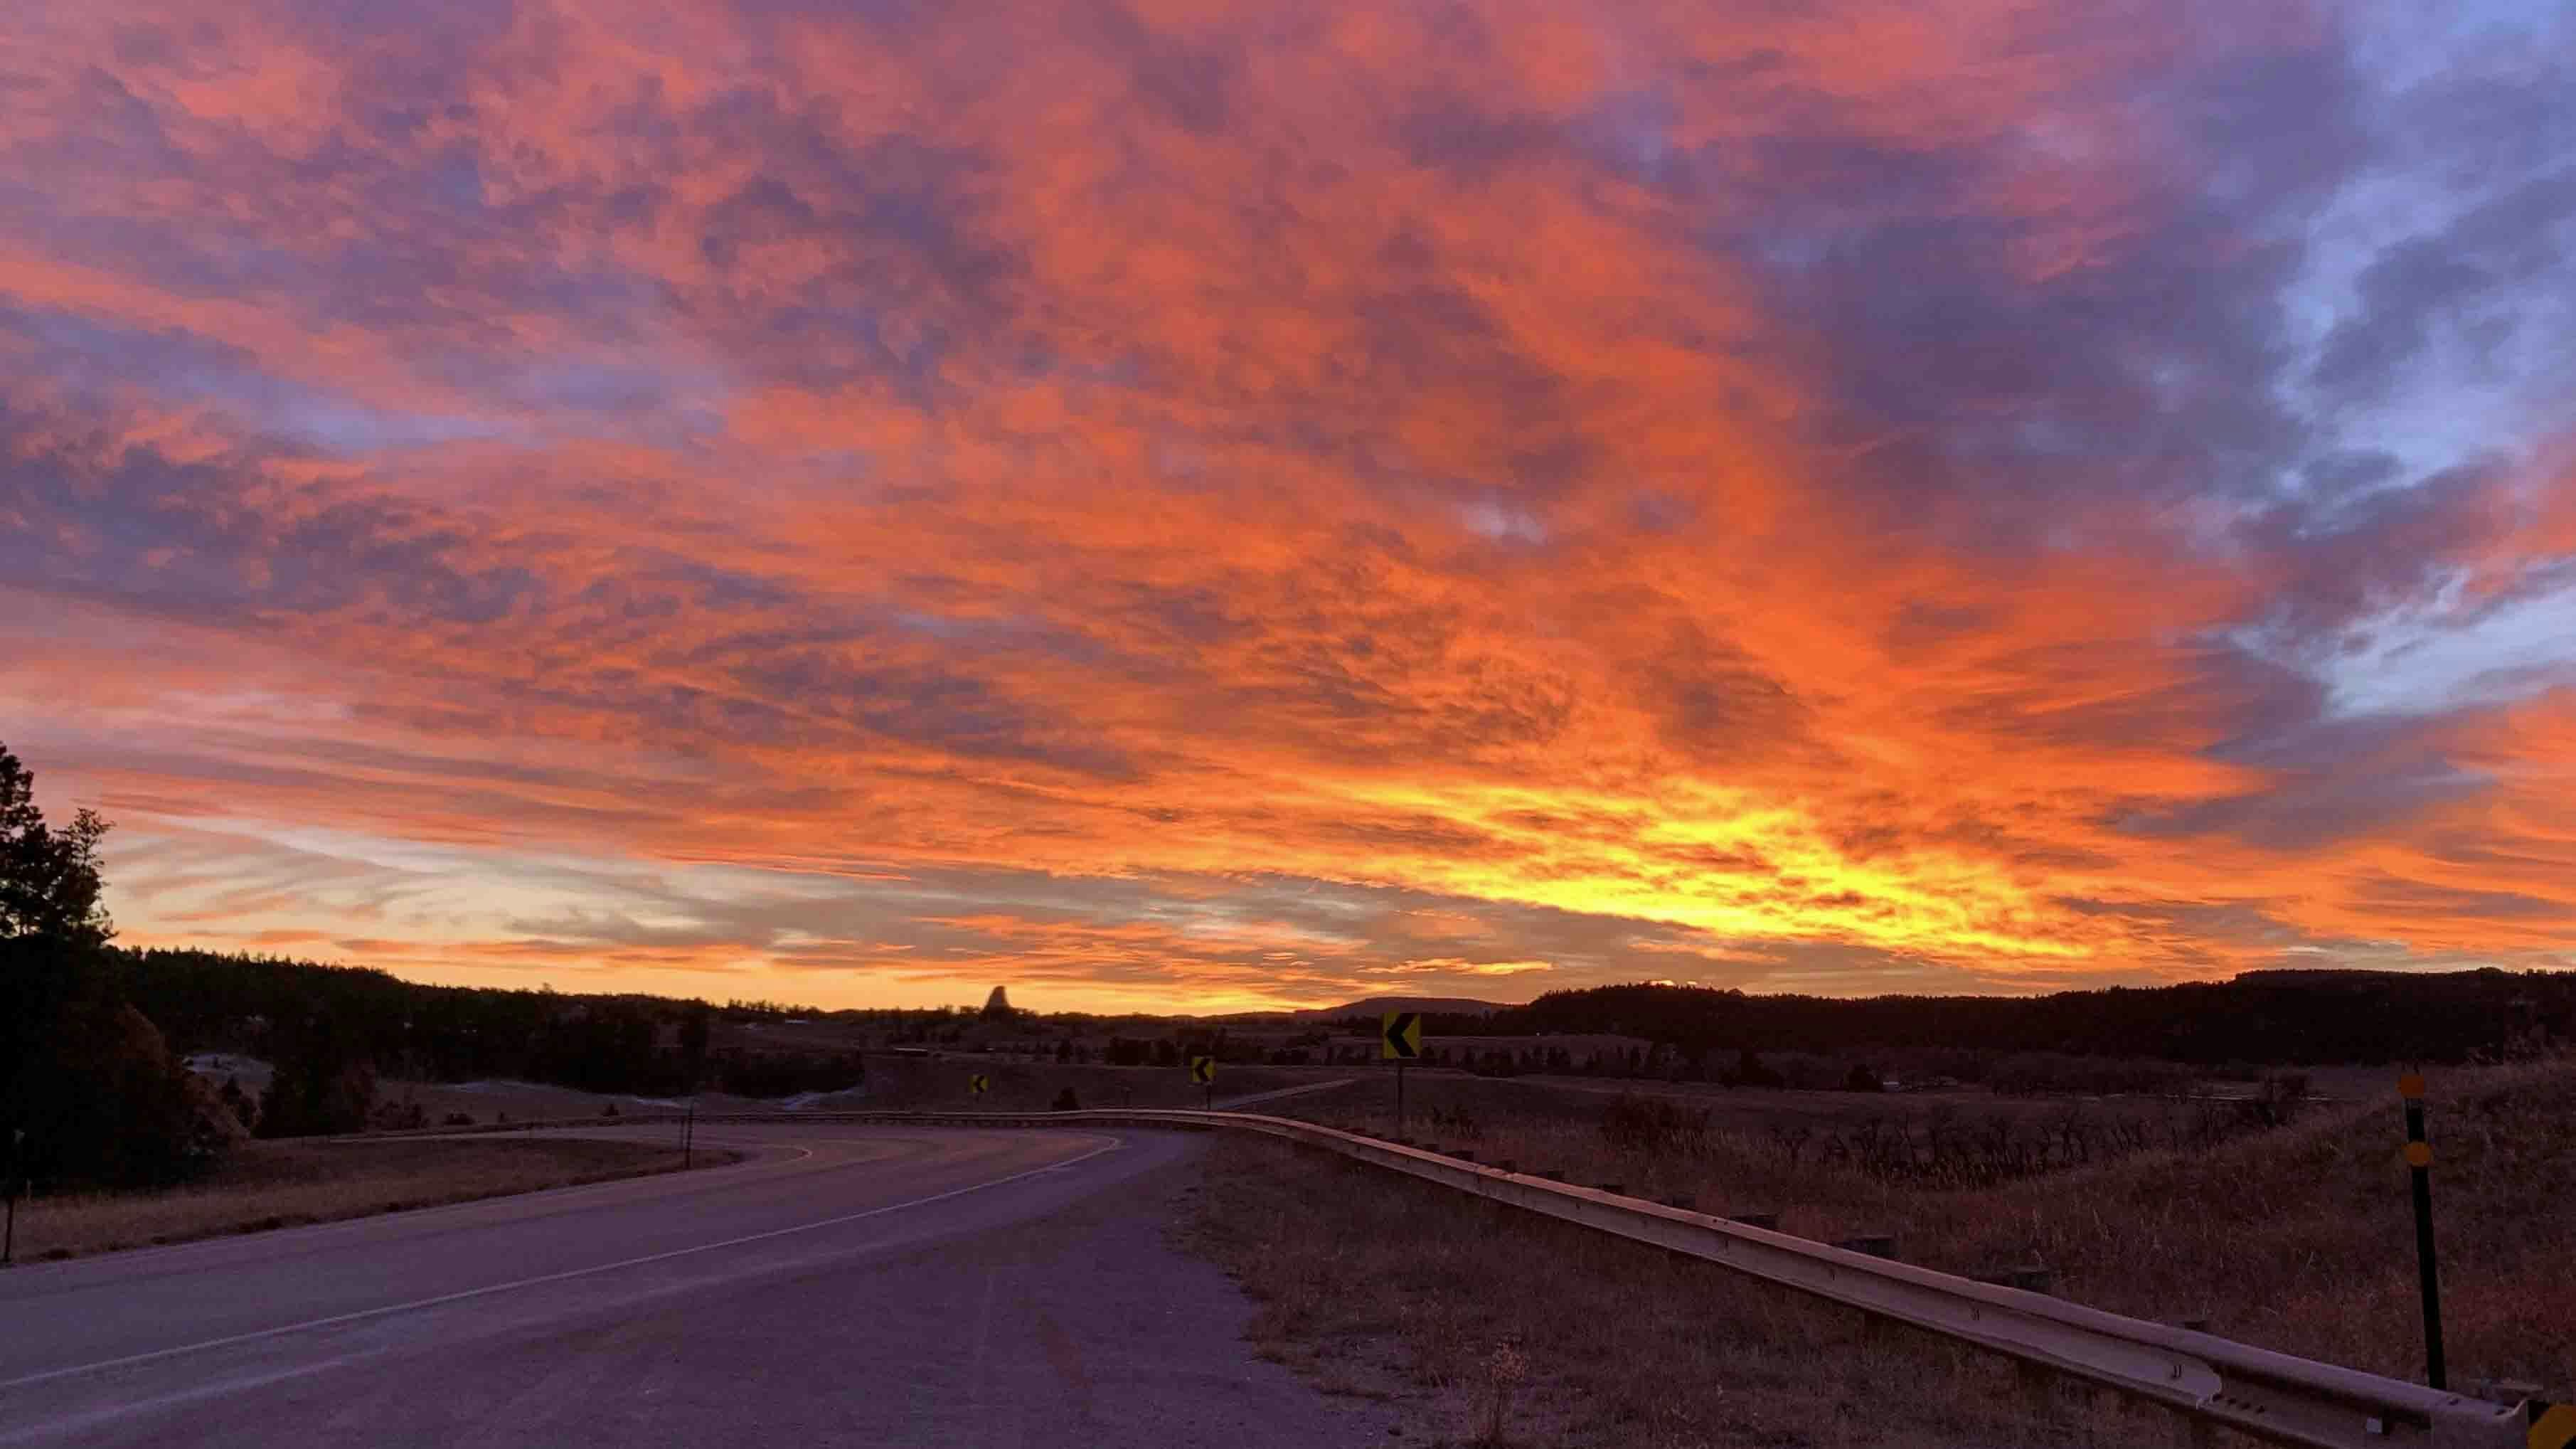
pixel 1456 1009
pixel 2307 1016
pixel 1378 1005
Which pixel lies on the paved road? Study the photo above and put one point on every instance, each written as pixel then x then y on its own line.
pixel 846 1286
pixel 1255 1099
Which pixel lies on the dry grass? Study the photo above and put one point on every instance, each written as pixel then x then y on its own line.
pixel 939 1083
pixel 285 1184
pixel 2299 1239
pixel 1954 1125
pixel 2302 1239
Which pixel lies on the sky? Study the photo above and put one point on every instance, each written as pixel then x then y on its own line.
pixel 1183 505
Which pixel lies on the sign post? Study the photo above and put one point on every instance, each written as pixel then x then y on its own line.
pixel 689 1134
pixel 1203 1072
pixel 9 1235
pixel 2419 1164
pixel 1399 1040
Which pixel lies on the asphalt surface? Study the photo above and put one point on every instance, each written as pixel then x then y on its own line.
pixel 846 1286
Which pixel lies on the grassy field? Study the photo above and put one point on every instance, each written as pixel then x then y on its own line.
pixel 893 1083
pixel 940 1083
pixel 1964 1138
pixel 267 1185
pixel 2297 1238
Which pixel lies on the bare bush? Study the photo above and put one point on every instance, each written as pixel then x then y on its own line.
pixel 1653 1126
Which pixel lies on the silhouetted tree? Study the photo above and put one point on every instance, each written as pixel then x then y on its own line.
pixel 238 1102
pixel 88 1078
pixel 1750 1071
pixel 322 1084
pixel 49 882
pixel 694 1029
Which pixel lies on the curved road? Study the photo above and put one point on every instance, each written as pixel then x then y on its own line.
pixel 846 1286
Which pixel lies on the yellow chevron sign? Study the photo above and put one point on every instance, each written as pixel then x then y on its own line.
pixel 979 1084
pixel 1202 1069
pixel 1400 1036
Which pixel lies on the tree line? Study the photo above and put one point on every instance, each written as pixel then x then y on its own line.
pixel 316 1021
pixel 2307 1017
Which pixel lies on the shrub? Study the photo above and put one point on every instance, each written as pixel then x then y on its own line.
pixel 2031 1074
pixel 323 1085
pixel 2283 1094
pixel 1750 1072
pixel 108 1103
pixel 244 1108
pixel 1454 1121
pixel 1653 1126
pixel 399 1117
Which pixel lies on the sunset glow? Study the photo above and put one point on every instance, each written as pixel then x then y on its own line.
pixel 1195 506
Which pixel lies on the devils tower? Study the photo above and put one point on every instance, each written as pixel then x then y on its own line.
pixel 997 1007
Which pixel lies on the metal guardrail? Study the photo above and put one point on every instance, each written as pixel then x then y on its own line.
pixel 2274 1396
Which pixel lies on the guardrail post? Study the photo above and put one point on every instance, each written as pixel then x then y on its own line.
pixel 2195 1433
pixel 9 1235
pixel 2034 1383
pixel 1874 1329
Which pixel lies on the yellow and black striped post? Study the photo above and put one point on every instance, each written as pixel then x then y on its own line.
pixel 2553 1426
pixel 2419 1164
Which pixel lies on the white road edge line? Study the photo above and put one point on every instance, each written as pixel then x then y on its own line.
pixel 489 1289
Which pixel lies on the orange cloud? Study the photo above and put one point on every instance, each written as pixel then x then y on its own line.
pixel 1191 503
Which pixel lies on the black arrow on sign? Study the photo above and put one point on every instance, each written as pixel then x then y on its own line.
pixel 1399 1034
